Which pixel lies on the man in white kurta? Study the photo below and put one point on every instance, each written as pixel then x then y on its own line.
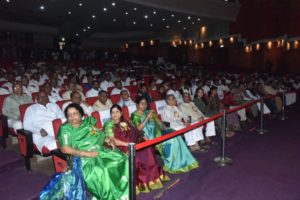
pixel 76 98
pixel 106 83
pixel 190 109
pixel 174 116
pixel 38 119
pixel 94 91
pixel 103 102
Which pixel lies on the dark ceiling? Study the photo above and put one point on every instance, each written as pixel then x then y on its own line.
pixel 82 18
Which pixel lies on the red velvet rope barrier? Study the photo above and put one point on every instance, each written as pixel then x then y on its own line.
pixel 193 126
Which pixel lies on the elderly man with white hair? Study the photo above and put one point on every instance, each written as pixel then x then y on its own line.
pixel 172 114
pixel 190 109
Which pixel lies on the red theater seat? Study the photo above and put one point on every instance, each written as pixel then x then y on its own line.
pixel 101 116
pixel 115 98
pixel 91 100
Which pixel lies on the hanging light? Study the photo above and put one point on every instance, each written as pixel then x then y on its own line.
pixel 296 44
pixel 202 45
pixel 151 42
pixel 142 44
pixel 210 43
pixel 257 46
pixel 231 39
pixel 196 46
pixel 269 45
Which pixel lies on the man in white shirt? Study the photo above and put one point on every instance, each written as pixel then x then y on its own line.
pixel 190 109
pixel 76 98
pixel 176 93
pixel 106 83
pixel 10 80
pixel 103 102
pixel 125 80
pixel 53 96
pixel 3 91
pixel 36 80
pixel 38 119
pixel 28 89
pixel 94 91
pixel 71 88
pixel 118 88
pixel 125 99
pixel 175 117
pixel 206 87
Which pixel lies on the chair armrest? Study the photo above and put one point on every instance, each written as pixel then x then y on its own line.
pixel 4 126
pixel 25 142
pixel 59 161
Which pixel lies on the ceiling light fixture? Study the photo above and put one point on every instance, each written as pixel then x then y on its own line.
pixel 93 16
pixel 189 17
pixel 69 12
pixel 134 22
pixel 113 4
pixel 154 12
pixel 167 26
pixel 146 16
pixel 134 9
pixel 198 19
pixel 104 9
pixel 80 4
pixel 172 15
pixel 114 20
pixel 42 7
pixel 126 13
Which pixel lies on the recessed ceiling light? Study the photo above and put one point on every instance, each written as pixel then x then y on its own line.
pixel 42 7
pixel 63 39
pixel 146 16
pixel 104 9
pixel 167 26
pixel 198 19
pixel 77 34
pixel 172 15
pixel 88 27
pixel 179 21
pixel 135 9
pixel 84 30
pixel 94 16
pixel 154 12
pixel 151 25
pixel 189 17
pixel 69 12
pixel 7 1
pixel 163 19
pixel 80 4
pixel 134 22
pixel 193 22
pixel 113 3
pixel 184 28
pixel 126 13
pixel 114 20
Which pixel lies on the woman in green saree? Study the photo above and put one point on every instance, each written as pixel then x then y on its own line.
pixel 176 156
pixel 105 171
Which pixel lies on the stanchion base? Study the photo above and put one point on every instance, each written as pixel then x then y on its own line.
pixel 283 118
pixel 261 131
pixel 223 161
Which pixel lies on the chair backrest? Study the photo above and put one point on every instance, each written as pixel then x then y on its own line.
pixel 56 125
pixel 132 88
pixel 158 106
pixel 102 117
pixel 34 96
pixel 22 109
pixel 2 98
pixel 115 98
pixel 153 94
pixel 110 89
pixel 127 111
pixel 133 96
pixel 91 100
pixel 61 103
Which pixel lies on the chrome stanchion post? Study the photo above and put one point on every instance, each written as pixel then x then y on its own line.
pixel 223 160
pixel 283 107
pixel 261 129
pixel 132 173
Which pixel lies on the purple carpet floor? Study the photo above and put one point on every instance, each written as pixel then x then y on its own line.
pixel 265 167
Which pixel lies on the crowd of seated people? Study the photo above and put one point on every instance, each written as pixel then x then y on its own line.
pixel 188 94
